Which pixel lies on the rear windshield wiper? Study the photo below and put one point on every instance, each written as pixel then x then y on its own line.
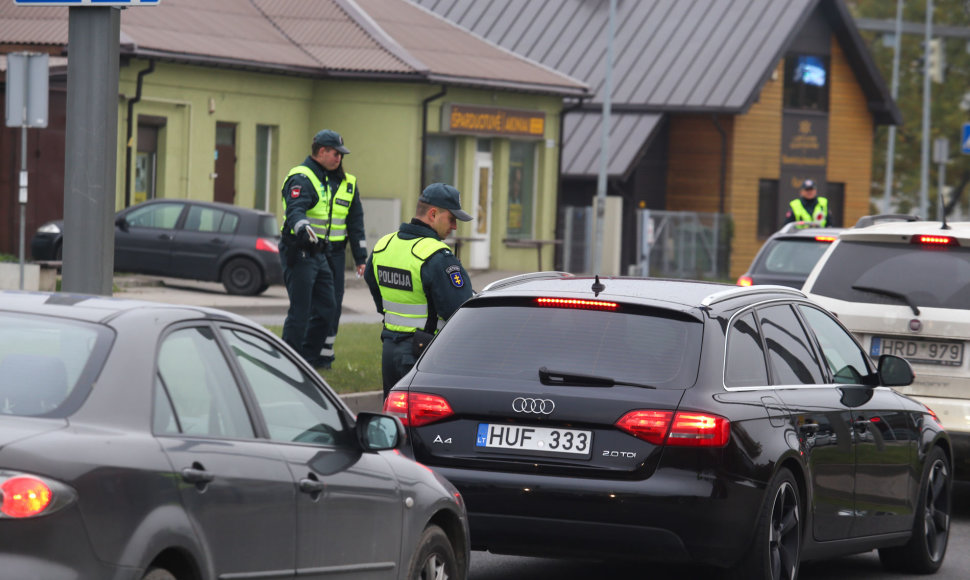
pixel 560 378
pixel 892 294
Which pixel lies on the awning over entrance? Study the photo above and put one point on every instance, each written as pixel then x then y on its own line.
pixel 583 135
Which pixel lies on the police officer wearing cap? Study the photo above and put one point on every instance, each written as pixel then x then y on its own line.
pixel 809 209
pixel 416 281
pixel 323 213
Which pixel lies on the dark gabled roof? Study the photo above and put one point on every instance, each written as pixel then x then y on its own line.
pixel 702 56
pixel 385 39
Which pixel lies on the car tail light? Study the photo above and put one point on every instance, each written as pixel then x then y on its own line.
pixel 827 239
pixel 681 429
pixel 745 281
pixel 23 495
pixel 927 240
pixel 267 245
pixel 417 409
pixel 577 303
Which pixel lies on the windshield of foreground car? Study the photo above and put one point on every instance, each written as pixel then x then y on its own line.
pixel 515 341
pixel 930 277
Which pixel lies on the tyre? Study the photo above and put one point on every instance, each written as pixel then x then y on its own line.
pixel 924 552
pixel 774 554
pixel 158 574
pixel 435 558
pixel 241 276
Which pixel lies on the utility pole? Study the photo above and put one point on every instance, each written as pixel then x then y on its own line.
pixel 604 148
pixel 924 179
pixel 887 195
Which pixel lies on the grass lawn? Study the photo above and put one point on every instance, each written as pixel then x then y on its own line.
pixel 358 364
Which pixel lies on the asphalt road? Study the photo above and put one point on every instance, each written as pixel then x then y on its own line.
pixel 956 566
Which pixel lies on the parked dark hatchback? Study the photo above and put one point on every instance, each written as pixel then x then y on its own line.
pixel 195 240
pixel 673 420
pixel 161 442
pixel 787 257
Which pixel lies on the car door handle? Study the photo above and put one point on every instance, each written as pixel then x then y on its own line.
pixel 219 241
pixel 165 236
pixel 311 486
pixel 196 474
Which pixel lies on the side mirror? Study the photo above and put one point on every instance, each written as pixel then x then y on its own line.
pixel 378 432
pixel 895 371
pixel 121 223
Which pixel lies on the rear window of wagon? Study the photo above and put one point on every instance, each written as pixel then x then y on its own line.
pixel 515 341
pixel 931 276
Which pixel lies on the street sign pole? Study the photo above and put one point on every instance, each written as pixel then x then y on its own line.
pixel 26 106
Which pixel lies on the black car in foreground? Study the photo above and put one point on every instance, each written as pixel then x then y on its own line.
pixel 678 421
pixel 188 239
pixel 148 441
pixel 788 256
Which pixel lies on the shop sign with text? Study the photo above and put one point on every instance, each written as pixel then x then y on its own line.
pixel 476 120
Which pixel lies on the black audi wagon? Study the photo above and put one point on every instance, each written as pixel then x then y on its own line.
pixel 678 421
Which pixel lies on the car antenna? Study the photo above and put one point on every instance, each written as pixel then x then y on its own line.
pixel 597 286
pixel 939 198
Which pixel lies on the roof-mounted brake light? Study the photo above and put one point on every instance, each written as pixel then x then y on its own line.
pixel 824 238
pixel 577 303
pixel 929 240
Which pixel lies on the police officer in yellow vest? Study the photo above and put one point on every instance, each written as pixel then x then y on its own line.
pixel 416 281
pixel 323 214
pixel 809 209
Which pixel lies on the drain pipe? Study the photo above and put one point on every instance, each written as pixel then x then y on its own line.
pixel 129 144
pixel 424 130
pixel 723 185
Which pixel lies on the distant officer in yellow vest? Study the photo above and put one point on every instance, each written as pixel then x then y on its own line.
pixel 416 281
pixel 809 209
pixel 323 214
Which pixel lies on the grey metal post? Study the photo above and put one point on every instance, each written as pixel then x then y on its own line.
pixel 941 155
pixel 91 145
pixel 604 147
pixel 924 179
pixel 23 197
pixel 891 148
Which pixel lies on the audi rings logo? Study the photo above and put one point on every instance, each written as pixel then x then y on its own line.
pixel 530 405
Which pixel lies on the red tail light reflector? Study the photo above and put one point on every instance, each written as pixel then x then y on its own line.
pixel 683 429
pixel 417 409
pixel 745 281
pixel 928 240
pixel 23 497
pixel 824 238
pixel 267 245
pixel 577 303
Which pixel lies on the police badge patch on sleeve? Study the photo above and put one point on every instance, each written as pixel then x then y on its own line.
pixel 454 274
pixel 295 191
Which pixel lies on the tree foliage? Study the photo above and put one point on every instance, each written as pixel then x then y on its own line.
pixel 950 103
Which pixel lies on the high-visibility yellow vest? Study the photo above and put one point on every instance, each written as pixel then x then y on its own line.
pixel 397 269
pixel 801 215
pixel 327 224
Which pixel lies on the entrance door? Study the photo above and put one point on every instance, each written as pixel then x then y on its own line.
pixel 225 174
pixel 479 246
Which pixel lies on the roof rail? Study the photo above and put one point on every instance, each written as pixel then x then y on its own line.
pixel 796 226
pixel 527 277
pixel 748 290
pixel 868 220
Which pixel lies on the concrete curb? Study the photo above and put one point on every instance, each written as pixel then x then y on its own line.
pixel 372 401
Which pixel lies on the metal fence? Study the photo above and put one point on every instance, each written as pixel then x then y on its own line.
pixel 670 244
